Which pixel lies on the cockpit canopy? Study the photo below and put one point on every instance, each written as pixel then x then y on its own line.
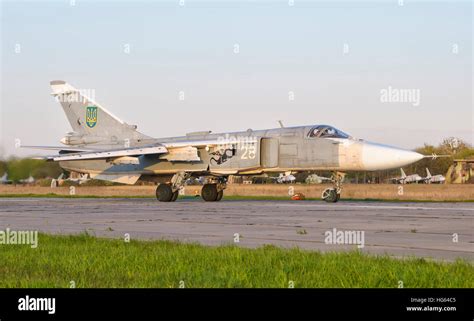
pixel 325 131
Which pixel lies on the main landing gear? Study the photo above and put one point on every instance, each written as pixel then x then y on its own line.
pixel 168 192
pixel 332 195
pixel 213 190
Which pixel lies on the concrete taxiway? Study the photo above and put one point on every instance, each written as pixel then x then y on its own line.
pixel 398 229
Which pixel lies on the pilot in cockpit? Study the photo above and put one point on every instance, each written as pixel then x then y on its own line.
pixel 323 131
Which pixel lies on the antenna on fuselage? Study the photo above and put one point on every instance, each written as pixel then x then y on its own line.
pixel 281 124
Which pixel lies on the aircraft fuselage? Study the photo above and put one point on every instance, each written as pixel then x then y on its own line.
pixel 254 152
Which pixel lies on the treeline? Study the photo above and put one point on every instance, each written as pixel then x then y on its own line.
pixel 21 168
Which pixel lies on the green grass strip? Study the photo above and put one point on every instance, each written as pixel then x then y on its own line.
pixel 98 262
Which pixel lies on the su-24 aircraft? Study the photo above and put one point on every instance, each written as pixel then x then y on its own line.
pixel 285 178
pixel 107 148
pixel 4 179
pixel 79 180
pixel 404 179
pixel 415 178
pixel 433 179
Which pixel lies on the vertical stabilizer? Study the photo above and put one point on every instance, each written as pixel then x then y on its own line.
pixel 403 173
pixel 90 121
pixel 428 174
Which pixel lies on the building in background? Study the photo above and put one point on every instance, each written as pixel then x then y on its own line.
pixel 461 172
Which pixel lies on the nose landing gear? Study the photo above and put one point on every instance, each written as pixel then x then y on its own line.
pixel 332 195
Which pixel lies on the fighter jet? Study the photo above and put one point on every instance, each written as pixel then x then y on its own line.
pixel 29 180
pixel 108 148
pixel 404 179
pixel 436 179
pixel 316 179
pixel 4 179
pixel 79 180
pixel 286 178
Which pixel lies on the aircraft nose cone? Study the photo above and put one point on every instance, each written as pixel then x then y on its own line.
pixel 380 157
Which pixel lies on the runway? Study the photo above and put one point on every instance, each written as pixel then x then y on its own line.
pixel 398 229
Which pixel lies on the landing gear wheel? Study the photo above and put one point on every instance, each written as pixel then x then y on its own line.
pixel 209 192
pixel 175 196
pixel 164 193
pixel 330 195
pixel 219 196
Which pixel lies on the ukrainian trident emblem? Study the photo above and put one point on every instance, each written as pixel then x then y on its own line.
pixel 91 116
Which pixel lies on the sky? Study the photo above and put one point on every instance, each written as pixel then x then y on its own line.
pixel 240 65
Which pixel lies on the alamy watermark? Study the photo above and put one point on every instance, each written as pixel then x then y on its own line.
pixel 37 304
pixel 398 95
pixel 82 96
pixel 227 141
pixel 345 237
pixel 10 237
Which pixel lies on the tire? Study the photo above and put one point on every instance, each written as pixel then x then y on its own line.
pixel 330 195
pixel 219 196
pixel 175 196
pixel 164 193
pixel 209 192
pixel 157 193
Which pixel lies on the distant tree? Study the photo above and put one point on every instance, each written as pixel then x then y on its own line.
pixel 453 145
pixel 22 168
pixel 465 154
pixel 3 167
pixel 47 170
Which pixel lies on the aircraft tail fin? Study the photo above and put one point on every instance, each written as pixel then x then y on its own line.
pixel 91 122
pixel 428 174
pixel 403 173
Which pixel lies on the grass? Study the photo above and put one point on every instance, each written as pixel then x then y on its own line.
pixel 97 262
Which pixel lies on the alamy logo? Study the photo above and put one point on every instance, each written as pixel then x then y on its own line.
pixel 396 95
pixel 8 237
pixel 345 237
pixel 91 116
pixel 37 304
